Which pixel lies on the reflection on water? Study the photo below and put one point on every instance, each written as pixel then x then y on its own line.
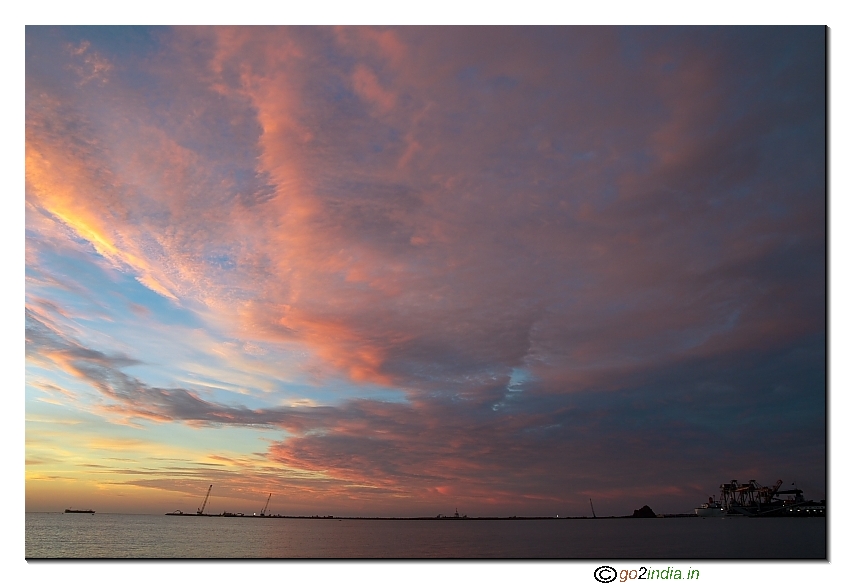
pixel 56 535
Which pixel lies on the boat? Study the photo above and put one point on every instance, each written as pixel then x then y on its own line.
pixel 69 511
pixel 754 500
pixel 712 508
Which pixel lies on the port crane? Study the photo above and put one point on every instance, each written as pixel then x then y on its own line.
pixel 266 507
pixel 204 505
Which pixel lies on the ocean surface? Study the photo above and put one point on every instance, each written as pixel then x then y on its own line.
pixel 133 536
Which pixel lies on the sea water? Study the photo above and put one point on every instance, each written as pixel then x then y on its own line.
pixel 58 535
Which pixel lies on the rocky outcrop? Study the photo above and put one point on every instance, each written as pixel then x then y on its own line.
pixel 645 512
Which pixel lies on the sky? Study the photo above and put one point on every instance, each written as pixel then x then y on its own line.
pixel 399 271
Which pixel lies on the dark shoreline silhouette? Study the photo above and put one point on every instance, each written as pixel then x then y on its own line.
pixel 450 518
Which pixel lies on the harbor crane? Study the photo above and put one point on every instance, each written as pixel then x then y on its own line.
pixel 204 505
pixel 266 507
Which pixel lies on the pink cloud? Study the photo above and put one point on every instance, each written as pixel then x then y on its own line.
pixel 437 211
pixel 367 86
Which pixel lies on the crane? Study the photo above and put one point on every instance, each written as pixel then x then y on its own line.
pixel 266 507
pixel 204 505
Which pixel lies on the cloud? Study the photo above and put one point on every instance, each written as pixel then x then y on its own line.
pixel 44 340
pixel 470 450
pixel 532 235
pixel 367 86
pixel 88 65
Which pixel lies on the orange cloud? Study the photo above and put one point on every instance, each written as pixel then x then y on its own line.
pixel 368 87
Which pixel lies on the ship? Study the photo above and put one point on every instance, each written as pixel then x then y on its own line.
pixel 69 511
pixel 754 500
pixel 709 509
